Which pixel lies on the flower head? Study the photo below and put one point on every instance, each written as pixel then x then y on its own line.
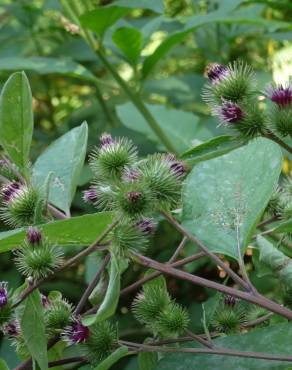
pixel 3 294
pixel 131 174
pixel 90 195
pixel 229 112
pixel 12 329
pixel 230 301
pixel 146 225
pixel 280 94
pixel 177 168
pixel 10 190
pixel 216 72
pixel 106 139
pixel 34 236
pixel 76 332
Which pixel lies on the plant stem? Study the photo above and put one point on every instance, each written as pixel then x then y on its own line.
pixel 199 339
pixel 267 221
pixel 213 351
pixel 270 135
pixel 65 361
pixel 240 258
pixel 178 250
pixel 136 100
pixel 92 285
pixel 247 296
pixel 56 212
pixel 215 258
pixel 257 321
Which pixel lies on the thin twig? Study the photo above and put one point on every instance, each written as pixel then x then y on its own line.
pixel 178 250
pixel 213 351
pixel 267 221
pixel 247 296
pixel 65 361
pixel 257 321
pixel 270 135
pixel 92 285
pixel 199 339
pixel 215 258
pixel 56 212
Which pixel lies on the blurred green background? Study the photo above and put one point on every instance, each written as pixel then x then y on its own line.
pixel 258 32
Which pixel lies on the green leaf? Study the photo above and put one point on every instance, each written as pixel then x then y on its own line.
pixel 272 340
pixel 211 149
pixel 158 54
pixel 130 41
pixel 278 262
pixel 16 119
pixel 283 227
pixel 226 196
pixel 99 20
pixel 65 159
pixel 3 365
pixel 147 360
pixel 111 299
pixel 113 358
pixel 180 127
pixel 154 5
pixel 202 20
pixel 46 65
pixel 74 231
pixel 33 329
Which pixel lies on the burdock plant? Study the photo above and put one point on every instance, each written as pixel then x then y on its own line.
pixel 132 199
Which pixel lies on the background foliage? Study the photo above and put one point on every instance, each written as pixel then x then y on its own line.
pixel 161 48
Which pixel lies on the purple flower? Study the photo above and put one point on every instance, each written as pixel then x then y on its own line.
pixel 34 236
pixel 106 139
pixel 230 112
pixel 134 196
pixel 10 190
pixel 279 94
pixel 177 167
pixel 12 329
pixel 45 301
pixel 146 225
pixel 90 195
pixel 216 72
pixel 229 300
pixel 76 332
pixel 131 174
pixel 3 294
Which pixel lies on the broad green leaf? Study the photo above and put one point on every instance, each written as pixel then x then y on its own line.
pixel 3 365
pixel 154 5
pixel 273 340
pixel 111 299
pixel 130 41
pixel 33 329
pixel 277 261
pixel 65 159
pixel 46 65
pixel 100 19
pixel 147 360
pixel 210 149
pixel 16 119
pixel 113 358
pixel 180 127
pixel 75 231
pixel 224 198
